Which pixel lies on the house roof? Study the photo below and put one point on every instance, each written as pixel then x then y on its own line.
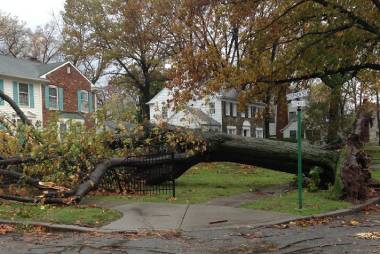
pixel 202 117
pixel 24 69
pixel 229 94
pixel 165 92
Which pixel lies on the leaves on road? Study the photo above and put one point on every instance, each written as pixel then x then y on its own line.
pixel 4 229
pixel 368 235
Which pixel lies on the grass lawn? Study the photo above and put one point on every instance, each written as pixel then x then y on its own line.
pixel 206 181
pixel 374 152
pixel 314 203
pixel 85 216
pixel 376 174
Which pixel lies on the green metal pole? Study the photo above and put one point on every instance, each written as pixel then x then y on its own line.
pixel 299 141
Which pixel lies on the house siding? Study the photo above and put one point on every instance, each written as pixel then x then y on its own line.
pixel 71 83
pixel 238 121
pixel 187 120
pixel 35 113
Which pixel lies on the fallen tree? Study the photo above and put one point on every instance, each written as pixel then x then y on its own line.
pixel 277 155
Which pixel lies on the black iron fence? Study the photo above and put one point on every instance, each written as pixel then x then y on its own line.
pixel 148 175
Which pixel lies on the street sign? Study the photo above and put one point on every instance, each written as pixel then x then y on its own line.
pixel 297 95
pixel 298 104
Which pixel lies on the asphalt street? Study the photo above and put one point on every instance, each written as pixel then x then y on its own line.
pixel 358 233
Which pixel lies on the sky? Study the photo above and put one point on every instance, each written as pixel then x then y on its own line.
pixel 33 12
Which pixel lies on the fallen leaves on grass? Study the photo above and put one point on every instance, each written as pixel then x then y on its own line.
pixel 368 235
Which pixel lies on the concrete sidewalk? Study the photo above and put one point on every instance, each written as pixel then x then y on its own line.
pixel 155 216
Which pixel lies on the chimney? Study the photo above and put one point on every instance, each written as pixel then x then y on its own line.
pixel 33 59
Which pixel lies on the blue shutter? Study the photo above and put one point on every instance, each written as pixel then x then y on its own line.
pixel 31 95
pixel 2 89
pixel 79 96
pixel 60 98
pixel 15 92
pixel 90 103
pixel 47 101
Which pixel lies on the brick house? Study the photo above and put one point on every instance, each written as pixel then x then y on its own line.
pixel 217 112
pixel 40 89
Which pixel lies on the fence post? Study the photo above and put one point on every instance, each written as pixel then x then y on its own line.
pixel 172 174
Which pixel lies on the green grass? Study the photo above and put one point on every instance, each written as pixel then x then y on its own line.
pixel 314 203
pixel 374 152
pixel 85 216
pixel 206 181
pixel 376 174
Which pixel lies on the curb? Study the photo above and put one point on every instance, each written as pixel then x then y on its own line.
pixel 63 227
pixel 342 212
pixel 81 229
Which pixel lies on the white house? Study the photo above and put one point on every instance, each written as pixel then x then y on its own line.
pixel 217 112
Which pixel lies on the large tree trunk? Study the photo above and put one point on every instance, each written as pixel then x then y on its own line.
pixel 272 154
pixel 334 116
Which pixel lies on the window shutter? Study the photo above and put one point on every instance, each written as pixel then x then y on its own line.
pixel 2 89
pixel 60 98
pixel 90 103
pixel 79 97
pixel 47 101
pixel 15 92
pixel 31 95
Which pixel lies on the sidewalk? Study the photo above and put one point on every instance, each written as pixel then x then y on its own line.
pixel 155 216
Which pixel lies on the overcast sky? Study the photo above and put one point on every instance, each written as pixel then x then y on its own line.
pixel 33 12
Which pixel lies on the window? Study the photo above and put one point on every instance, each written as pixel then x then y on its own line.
pixel 259 133
pixel 211 106
pixel 84 101
pixel 293 135
pixel 253 111
pixel 234 109
pixel 23 94
pixel 228 109
pixel 292 116
pixel 53 97
pixel 164 112
pixel 231 130
pixel 62 128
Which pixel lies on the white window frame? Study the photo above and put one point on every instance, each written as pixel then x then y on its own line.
pixel 83 102
pixel 259 132
pixel 234 109
pixel 50 105
pixel 228 108
pixel 211 107
pixel 27 94
pixel 249 111
pixel 231 130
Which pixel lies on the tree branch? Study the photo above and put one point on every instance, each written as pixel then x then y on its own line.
pixel 16 108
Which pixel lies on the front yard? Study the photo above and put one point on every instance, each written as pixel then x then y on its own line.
pixel 314 203
pixel 84 216
pixel 206 181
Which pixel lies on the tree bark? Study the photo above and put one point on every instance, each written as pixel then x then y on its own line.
pixel 16 108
